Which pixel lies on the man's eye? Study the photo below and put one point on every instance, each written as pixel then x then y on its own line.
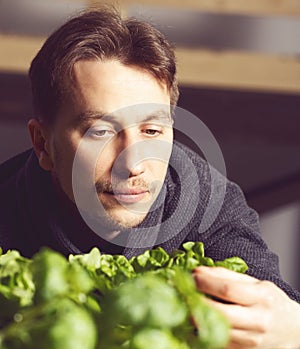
pixel 101 133
pixel 152 132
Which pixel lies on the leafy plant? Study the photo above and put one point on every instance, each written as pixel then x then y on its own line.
pixel 101 301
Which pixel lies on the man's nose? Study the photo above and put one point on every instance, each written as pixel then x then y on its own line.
pixel 131 155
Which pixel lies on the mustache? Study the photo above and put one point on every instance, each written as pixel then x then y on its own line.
pixel 119 187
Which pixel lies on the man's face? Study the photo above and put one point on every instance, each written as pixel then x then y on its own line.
pixel 120 117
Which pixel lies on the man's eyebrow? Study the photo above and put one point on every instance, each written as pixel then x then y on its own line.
pixel 92 115
pixel 160 115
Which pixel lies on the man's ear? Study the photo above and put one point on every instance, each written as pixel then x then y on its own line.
pixel 40 143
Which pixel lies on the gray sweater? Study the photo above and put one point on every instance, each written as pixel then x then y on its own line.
pixel 196 204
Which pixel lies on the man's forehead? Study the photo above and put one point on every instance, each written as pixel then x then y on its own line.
pixel 119 74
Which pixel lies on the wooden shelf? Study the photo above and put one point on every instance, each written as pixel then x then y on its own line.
pixel 196 67
pixel 17 52
pixel 250 7
pixel 237 69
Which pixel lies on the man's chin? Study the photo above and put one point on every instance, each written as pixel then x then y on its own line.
pixel 123 221
pixel 125 216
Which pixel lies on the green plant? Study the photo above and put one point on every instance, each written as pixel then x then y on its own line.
pixel 101 301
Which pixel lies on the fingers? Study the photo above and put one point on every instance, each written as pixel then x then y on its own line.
pixel 240 317
pixel 261 315
pixel 240 339
pixel 226 273
pixel 227 285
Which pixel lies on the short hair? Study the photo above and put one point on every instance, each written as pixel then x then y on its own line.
pixel 97 34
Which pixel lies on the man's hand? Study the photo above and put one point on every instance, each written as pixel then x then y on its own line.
pixel 261 315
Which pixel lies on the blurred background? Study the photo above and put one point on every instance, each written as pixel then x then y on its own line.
pixel 239 72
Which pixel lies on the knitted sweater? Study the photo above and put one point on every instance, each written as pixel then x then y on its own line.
pixel 195 204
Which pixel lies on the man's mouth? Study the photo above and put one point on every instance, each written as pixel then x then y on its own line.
pixel 129 195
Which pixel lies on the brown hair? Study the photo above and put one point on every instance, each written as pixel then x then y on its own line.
pixel 97 34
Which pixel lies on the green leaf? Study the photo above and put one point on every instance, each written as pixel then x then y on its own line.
pixel 233 263
pixel 212 326
pixel 151 260
pixel 79 279
pixel 139 263
pixel 188 246
pixel 183 282
pixel 198 249
pixel 72 328
pixel 153 338
pixel 90 261
pixel 16 282
pixel 146 301
pixel 206 261
pixel 159 257
pixel 49 271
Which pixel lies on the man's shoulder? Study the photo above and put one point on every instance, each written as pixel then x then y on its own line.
pixel 10 195
pixel 191 163
pixel 186 155
pixel 12 166
pixel 19 209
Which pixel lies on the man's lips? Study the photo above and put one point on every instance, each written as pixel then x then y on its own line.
pixel 129 195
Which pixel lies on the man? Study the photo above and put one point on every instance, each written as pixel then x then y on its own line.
pixel 103 173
